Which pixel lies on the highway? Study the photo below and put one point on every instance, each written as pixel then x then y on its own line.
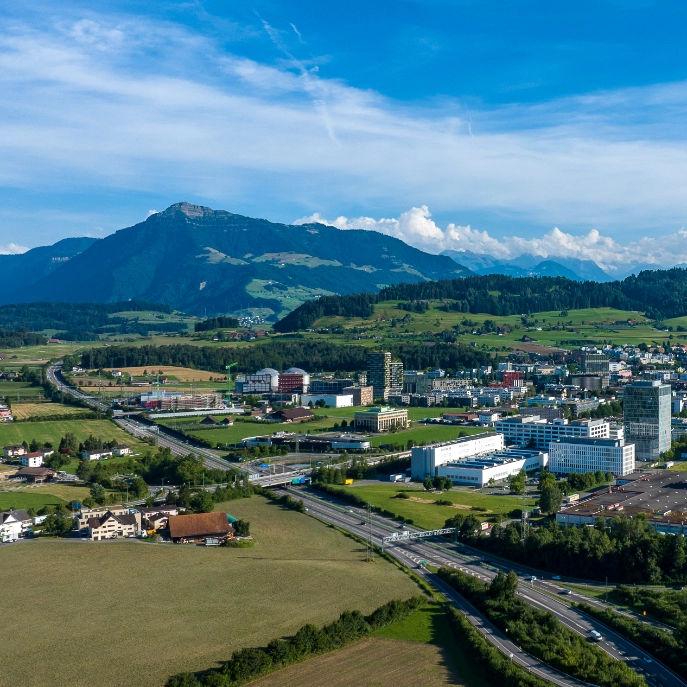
pixel 543 595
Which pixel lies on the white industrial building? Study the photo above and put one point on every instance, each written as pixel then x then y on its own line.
pixel 589 455
pixel 425 460
pixel 498 466
pixel 535 432
pixel 332 400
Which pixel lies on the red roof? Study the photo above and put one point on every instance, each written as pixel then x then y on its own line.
pixel 198 525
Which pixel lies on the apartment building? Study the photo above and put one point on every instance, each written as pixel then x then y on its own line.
pixel 534 432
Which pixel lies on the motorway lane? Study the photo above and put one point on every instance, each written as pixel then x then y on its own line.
pixel 448 554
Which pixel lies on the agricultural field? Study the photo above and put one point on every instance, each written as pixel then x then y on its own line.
pixel 204 603
pixel 24 411
pixel 595 325
pixel 17 391
pixel 52 432
pixel 421 507
pixel 181 374
pixel 26 500
pixel 28 496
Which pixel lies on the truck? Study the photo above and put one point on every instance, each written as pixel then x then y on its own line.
pixel 396 478
pixel 572 498
pixel 348 481
pixel 295 480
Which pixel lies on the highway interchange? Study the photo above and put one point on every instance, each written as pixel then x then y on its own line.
pixel 544 594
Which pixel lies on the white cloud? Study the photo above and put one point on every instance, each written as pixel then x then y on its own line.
pixel 114 103
pixel 12 249
pixel 417 228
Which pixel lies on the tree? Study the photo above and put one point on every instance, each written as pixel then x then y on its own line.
pixel 139 488
pixel 98 493
pixel 551 499
pixel 84 470
pixel 427 483
pixel 57 525
pixel 504 586
pixel 546 478
pixel 242 528
pixel 202 502
pixel 517 482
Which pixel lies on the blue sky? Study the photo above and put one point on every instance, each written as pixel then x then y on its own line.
pixel 501 127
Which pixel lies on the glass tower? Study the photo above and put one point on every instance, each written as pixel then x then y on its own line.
pixel 646 418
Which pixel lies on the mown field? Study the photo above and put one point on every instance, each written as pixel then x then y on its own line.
pixel 166 608
pixel 428 433
pixel 181 374
pixel 28 496
pixel 15 391
pixel 52 432
pixel 24 411
pixel 421 507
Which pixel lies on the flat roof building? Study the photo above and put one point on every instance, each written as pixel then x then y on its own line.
pixel 380 419
pixel 578 454
pixel 495 467
pixel 534 432
pixel 646 418
pixel 425 460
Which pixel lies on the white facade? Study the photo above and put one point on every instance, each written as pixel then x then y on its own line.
pixel 31 460
pixel 499 466
pixel 590 455
pixel 426 459
pixel 10 528
pixel 332 400
pixel 531 430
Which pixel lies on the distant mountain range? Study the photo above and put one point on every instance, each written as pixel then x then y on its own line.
pixel 205 261
pixel 531 266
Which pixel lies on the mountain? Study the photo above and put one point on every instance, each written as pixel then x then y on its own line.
pixel 200 260
pixel 527 265
pixel 16 271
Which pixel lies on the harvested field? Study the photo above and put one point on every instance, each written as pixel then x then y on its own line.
pixel 199 604
pixel 183 374
pixel 24 411
pixel 374 662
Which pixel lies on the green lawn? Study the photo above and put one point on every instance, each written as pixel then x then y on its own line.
pixel 427 433
pixel 26 500
pixel 430 516
pixel 52 432
pixel 680 466
pixel 14 391
pixel 71 466
pixel 203 604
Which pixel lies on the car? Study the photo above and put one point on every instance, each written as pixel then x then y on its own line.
pixel 648 660
pixel 531 578
pixel 556 577
pixel 566 592
pixel 678 587
pixel 401 526
pixel 363 523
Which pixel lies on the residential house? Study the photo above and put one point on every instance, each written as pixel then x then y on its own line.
pixel 163 509
pixel 188 529
pixel 111 526
pixel 32 460
pixel 155 521
pixel 11 527
pixel 87 514
pixel 36 475
pixel 122 450
pixel 14 451
pixel 5 413
pixel 100 454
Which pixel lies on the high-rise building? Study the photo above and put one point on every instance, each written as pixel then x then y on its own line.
pixel 646 418
pixel 379 373
pixel 595 367
pixel 396 377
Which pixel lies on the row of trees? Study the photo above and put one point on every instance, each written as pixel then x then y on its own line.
pixel 248 664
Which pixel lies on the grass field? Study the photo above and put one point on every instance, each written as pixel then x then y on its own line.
pixel 24 411
pixel 420 507
pixel 22 499
pixel 15 391
pixel 428 433
pixel 198 604
pixel 182 374
pixel 23 496
pixel 52 432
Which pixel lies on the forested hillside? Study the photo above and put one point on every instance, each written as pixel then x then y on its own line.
pixel 311 355
pixel 659 294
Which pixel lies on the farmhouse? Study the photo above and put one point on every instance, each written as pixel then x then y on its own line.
pixel 121 450
pixel 187 529
pixel 35 474
pixel 32 460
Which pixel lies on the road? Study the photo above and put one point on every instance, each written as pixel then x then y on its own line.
pixel 546 596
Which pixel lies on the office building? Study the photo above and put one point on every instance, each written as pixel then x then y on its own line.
pixel 576 454
pixel 329 386
pixel 379 373
pixel 294 379
pixel 499 466
pixel 534 432
pixel 264 381
pixel 593 365
pixel 380 419
pixel 396 377
pixel 415 382
pixel 646 418
pixel 331 400
pixel 362 395
pixel 424 460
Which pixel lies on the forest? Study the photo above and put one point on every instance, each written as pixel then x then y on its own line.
pixel 658 293
pixel 12 339
pixel 314 356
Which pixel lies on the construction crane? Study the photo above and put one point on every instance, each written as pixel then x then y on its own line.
pixel 228 368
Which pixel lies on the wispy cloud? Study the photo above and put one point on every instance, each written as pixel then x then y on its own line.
pixel 417 228
pixel 110 102
pixel 12 249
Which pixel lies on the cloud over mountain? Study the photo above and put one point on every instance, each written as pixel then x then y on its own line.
pixel 417 228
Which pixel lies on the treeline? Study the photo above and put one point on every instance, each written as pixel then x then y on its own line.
pixel 624 550
pixel 216 323
pixel 280 355
pixel 660 294
pixel 76 317
pixel 248 664
pixel 17 339
pixel 540 633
